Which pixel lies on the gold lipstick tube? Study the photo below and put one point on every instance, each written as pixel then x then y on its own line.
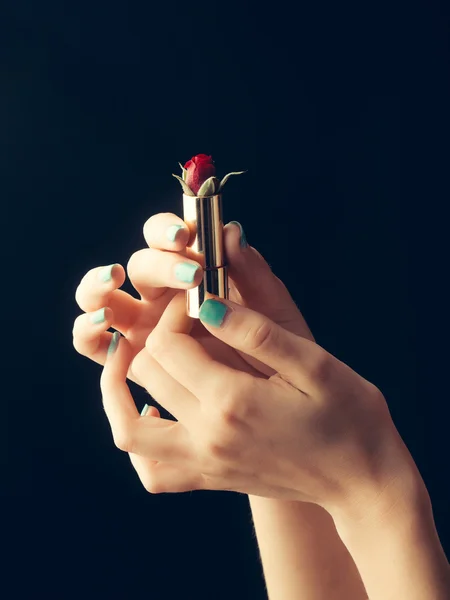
pixel 203 215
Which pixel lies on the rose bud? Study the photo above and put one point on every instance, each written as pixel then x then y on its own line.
pixel 199 176
pixel 199 169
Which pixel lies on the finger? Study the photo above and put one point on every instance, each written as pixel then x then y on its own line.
pixel 154 438
pixel 166 231
pixel 165 390
pixel 295 358
pixel 98 288
pixel 89 337
pixel 151 411
pixel 185 359
pixel 250 273
pixel 159 478
pixel 153 271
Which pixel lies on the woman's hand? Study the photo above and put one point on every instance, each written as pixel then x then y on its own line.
pixel 153 273
pixel 314 431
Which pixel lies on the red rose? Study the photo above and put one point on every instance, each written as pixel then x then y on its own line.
pixel 199 169
pixel 199 177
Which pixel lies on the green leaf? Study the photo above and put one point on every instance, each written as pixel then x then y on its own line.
pixel 186 189
pixel 209 187
pixel 184 171
pixel 225 179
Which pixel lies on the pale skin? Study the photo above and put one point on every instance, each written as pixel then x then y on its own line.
pixel 263 410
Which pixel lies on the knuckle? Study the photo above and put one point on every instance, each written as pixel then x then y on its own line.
pixel 231 406
pixel 155 344
pixel 124 441
pixel 322 369
pixel 135 259
pixel 86 277
pixel 374 396
pixel 151 483
pixel 235 403
pixel 132 261
pixel 158 345
pixel 220 443
pixel 261 337
pixel 140 363
pixel 78 345
pixel 216 452
pixel 77 325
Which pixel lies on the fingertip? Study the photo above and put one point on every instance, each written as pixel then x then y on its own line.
pixel 117 360
pixel 166 231
pixel 150 411
pixel 178 236
pixel 101 317
pixel 214 311
pixel 187 274
pixel 235 229
pixel 113 272
pixel 113 344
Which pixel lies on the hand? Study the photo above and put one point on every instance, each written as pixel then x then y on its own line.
pixel 314 431
pixel 152 273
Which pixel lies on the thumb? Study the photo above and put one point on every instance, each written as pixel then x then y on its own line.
pixel 254 334
pixel 251 274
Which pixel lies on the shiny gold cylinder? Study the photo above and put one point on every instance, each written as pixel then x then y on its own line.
pixel 203 215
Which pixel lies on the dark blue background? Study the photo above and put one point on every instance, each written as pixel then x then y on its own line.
pixel 339 111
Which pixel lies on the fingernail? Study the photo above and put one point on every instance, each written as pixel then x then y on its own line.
pixel 172 232
pixel 185 272
pixel 145 410
pixel 106 273
pixel 243 240
pixel 213 312
pixel 98 316
pixel 114 343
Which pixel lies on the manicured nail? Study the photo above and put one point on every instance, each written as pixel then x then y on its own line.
pixel 98 316
pixel 114 343
pixel 243 240
pixel 212 312
pixel 172 232
pixel 145 410
pixel 106 273
pixel 185 272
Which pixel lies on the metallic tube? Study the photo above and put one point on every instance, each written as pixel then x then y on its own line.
pixel 203 215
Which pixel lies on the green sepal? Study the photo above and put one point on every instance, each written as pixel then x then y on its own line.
pixel 184 171
pixel 209 187
pixel 225 179
pixel 186 189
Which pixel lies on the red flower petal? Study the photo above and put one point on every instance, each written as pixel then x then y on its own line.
pixel 199 169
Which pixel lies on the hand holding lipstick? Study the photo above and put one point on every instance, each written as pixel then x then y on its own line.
pixel 313 431
pixel 262 410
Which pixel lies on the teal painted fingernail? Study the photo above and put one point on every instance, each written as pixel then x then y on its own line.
pixel 145 410
pixel 213 312
pixel 114 343
pixel 106 273
pixel 172 232
pixel 243 240
pixel 98 316
pixel 185 272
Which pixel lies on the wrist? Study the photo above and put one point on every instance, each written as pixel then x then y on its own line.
pixel 391 485
pixel 393 540
pixel 401 506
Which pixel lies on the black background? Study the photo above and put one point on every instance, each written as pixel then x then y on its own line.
pixel 339 111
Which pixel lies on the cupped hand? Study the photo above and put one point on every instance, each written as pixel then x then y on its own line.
pixel 153 273
pixel 314 430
